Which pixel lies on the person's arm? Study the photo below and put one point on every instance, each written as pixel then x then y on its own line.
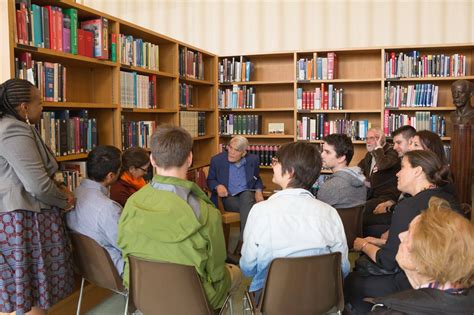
pixel 21 153
pixel 108 225
pixel 252 236
pixel 329 191
pixel 256 174
pixel 212 182
pixel 385 160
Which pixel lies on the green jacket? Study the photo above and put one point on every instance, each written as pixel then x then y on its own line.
pixel 160 225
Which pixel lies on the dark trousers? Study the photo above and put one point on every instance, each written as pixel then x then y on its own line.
pixel 357 287
pixel 375 224
pixel 241 203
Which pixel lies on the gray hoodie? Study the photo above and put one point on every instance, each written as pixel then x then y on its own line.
pixel 344 189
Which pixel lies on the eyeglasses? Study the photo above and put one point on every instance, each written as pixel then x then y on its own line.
pixel 274 161
pixel 143 169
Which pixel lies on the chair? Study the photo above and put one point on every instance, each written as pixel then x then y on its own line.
pixel 352 221
pixel 167 288
pixel 301 285
pixel 95 265
pixel 227 219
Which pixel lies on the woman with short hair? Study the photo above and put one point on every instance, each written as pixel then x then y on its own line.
pixel 437 256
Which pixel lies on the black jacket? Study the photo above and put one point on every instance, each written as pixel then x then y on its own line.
pixel 424 302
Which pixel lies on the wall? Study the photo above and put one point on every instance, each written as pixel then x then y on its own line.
pixel 246 26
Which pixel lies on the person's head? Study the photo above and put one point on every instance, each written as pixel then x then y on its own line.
pixel 171 147
pixel 103 164
pixel 21 99
pixel 237 148
pixel 439 246
pixel 135 161
pixel 401 139
pixel 427 140
pixel 462 91
pixel 373 135
pixel 338 151
pixel 421 168
pixel 296 165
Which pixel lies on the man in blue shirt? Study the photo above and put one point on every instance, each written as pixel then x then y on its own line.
pixel 234 176
pixel 95 214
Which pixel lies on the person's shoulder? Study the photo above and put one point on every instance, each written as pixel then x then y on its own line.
pixel 219 157
pixel 11 126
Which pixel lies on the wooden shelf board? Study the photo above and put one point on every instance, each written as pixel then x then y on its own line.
pixel 63 57
pixel 339 111
pixel 275 109
pixel 446 138
pixel 261 136
pixel 197 109
pixel 71 157
pixel 369 80
pixel 203 137
pixel 68 105
pixel 149 110
pixel 422 109
pixel 469 77
pixel 160 74
pixel 265 167
pixel 196 81
pixel 256 83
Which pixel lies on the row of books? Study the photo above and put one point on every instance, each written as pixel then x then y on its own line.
pixel 240 96
pixel 137 91
pixel 420 121
pixel 317 68
pixel 191 64
pixel 317 126
pixel 56 28
pixel 49 78
pixel 320 98
pixel 416 95
pixel 198 175
pixel 68 131
pixel 137 133
pixel 138 53
pixel 265 152
pixel 193 122
pixel 232 70
pixel 71 173
pixel 412 65
pixel 186 95
pixel 232 124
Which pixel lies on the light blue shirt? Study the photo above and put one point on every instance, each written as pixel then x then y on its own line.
pixel 291 223
pixel 237 177
pixel 97 216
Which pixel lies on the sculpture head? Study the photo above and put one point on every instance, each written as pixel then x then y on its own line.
pixel 462 91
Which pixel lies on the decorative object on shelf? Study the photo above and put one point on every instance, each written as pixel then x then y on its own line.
pixel 462 92
pixel 276 128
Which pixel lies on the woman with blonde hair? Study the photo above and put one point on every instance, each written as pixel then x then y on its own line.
pixel 437 255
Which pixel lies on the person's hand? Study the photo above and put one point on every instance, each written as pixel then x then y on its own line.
pixel 71 199
pixel 359 243
pixel 384 236
pixel 258 196
pixel 382 207
pixel 367 184
pixel 375 241
pixel 222 191
pixel 379 142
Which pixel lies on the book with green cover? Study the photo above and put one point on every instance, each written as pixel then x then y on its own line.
pixel 72 13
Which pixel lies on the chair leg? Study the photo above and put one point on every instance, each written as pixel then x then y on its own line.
pixel 126 304
pixel 78 310
pixel 231 306
pixel 226 228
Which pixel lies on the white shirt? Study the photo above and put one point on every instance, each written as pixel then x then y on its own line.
pixel 290 223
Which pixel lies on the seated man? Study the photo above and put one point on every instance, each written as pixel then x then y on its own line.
pixel 292 222
pixel 171 219
pixel 234 176
pixel 345 187
pixel 95 214
pixel 380 166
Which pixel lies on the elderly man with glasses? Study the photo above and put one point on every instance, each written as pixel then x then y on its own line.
pixel 234 176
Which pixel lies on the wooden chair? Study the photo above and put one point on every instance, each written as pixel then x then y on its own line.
pixel 95 265
pixel 352 219
pixel 166 288
pixel 301 285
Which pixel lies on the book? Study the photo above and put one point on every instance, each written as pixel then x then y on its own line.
pixel 99 28
pixel 71 13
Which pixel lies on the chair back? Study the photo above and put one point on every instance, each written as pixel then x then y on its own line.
pixel 303 285
pixel 94 263
pixel 166 288
pixel 352 221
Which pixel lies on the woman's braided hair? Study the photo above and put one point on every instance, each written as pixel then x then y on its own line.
pixel 13 92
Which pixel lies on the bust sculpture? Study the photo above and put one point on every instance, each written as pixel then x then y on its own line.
pixel 462 91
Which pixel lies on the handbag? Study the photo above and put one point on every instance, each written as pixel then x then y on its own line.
pixel 366 268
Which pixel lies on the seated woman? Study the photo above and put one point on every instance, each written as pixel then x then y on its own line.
pixel 441 284
pixel 422 176
pixel 135 163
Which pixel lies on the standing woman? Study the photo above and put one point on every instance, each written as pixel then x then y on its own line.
pixel 35 259
pixel 135 164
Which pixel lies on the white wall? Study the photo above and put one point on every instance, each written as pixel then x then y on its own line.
pixel 246 26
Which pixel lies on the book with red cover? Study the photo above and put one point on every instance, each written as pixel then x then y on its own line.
pixel 81 44
pixel 99 27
